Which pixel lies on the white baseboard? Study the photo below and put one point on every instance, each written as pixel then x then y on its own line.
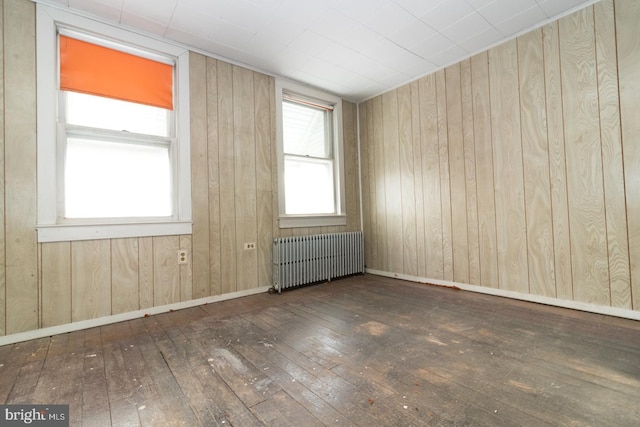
pixel 576 305
pixel 101 321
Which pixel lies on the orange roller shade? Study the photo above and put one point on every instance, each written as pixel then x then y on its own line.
pixel 97 70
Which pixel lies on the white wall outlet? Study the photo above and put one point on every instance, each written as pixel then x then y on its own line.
pixel 182 257
pixel 249 246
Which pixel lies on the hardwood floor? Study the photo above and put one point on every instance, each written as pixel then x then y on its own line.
pixel 366 350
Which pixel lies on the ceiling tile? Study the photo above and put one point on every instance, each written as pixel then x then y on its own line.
pixel 389 20
pixel 447 13
pixel 230 34
pixel 360 38
pixel 136 21
pixel 556 7
pixel 415 31
pixel 246 15
pixel 306 12
pixel 448 56
pixel 418 7
pixel 481 41
pixel 522 21
pixel 110 10
pixel 432 45
pixel 360 11
pixel 333 25
pixel 501 10
pixel 466 28
pixel 151 10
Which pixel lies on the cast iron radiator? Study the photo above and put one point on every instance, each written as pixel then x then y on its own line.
pixel 316 258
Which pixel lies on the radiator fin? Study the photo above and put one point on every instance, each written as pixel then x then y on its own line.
pixel 316 258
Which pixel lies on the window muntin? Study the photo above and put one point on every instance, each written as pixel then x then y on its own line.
pixel 53 130
pixel 309 148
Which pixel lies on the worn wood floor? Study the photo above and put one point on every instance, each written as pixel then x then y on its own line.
pixel 366 351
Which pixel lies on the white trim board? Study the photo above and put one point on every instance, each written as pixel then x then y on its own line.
pixel 574 305
pixel 101 321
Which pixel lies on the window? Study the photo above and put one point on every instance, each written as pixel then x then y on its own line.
pixel 113 135
pixel 309 157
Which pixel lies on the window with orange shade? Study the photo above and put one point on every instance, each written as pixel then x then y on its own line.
pixel 121 163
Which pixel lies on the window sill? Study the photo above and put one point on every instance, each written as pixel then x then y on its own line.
pixel 312 221
pixel 72 232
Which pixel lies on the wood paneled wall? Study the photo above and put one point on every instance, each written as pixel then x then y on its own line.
pixel 506 170
pixel 234 200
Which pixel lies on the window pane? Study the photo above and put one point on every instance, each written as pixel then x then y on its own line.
pixel 110 179
pixel 304 130
pixel 308 186
pixel 106 113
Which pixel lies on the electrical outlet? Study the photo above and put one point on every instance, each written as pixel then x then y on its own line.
pixel 182 257
pixel 249 246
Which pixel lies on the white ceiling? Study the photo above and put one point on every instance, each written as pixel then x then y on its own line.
pixel 353 48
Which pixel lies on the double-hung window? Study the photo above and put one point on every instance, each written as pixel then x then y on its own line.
pixel 309 157
pixel 113 154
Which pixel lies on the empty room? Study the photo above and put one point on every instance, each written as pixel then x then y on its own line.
pixel 315 213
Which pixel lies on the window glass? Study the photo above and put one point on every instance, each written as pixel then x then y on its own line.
pixel 114 179
pixel 309 186
pixel 305 130
pixel 107 113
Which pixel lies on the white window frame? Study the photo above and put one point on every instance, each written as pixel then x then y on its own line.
pixel 310 220
pixel 49 227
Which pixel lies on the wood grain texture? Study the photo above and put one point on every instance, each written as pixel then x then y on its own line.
pixel 557 162
pixel 584 160
pixel 381 204
pixel 407 187
pixel 213 165
pixel 457 179
pixel 393 183
pixel 263 141
pixel 471 186
pixel 488 253
pixel 508 168
pixel 245 178
pixel 186 270
pixel 612 165
pixel 166 271
pixel 535 151
pixel 3 270
pixel 421 251
pixel 445 176
pixel 199 174
pixel 56 283
pixel 21 286
pixel 431 186
pixel 124 275
pixel 226 174
pixel 90 279
pixel 371 241
pixel 627 16
pixel 145 272
pixel 365 148
pixel 351 168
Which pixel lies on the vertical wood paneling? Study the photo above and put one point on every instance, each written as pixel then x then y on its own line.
pixel 584 160
pixel 263 112
pixel 351 170
pixel 421 254
pixel 90 279
pixel 124 275
pixel 199 174
pixel 21 286
pixel 393 184
pixel 56 284
pixel 381 204
pixel 145 271
pixel 627 16
pixel 431 177
pixel 213 165
pixel 508 169
pixel 535 149
pixel 372 240
pixel 485 182
pixel 366 180
pixel 3 283
pixel 557 163
pixel 405 136
pixel 226 171
pixel 245 177
pixel 615 206
pixel 458 195
pixel 186 270
pixel 445 177
pixel 470 172
pixel 166 270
